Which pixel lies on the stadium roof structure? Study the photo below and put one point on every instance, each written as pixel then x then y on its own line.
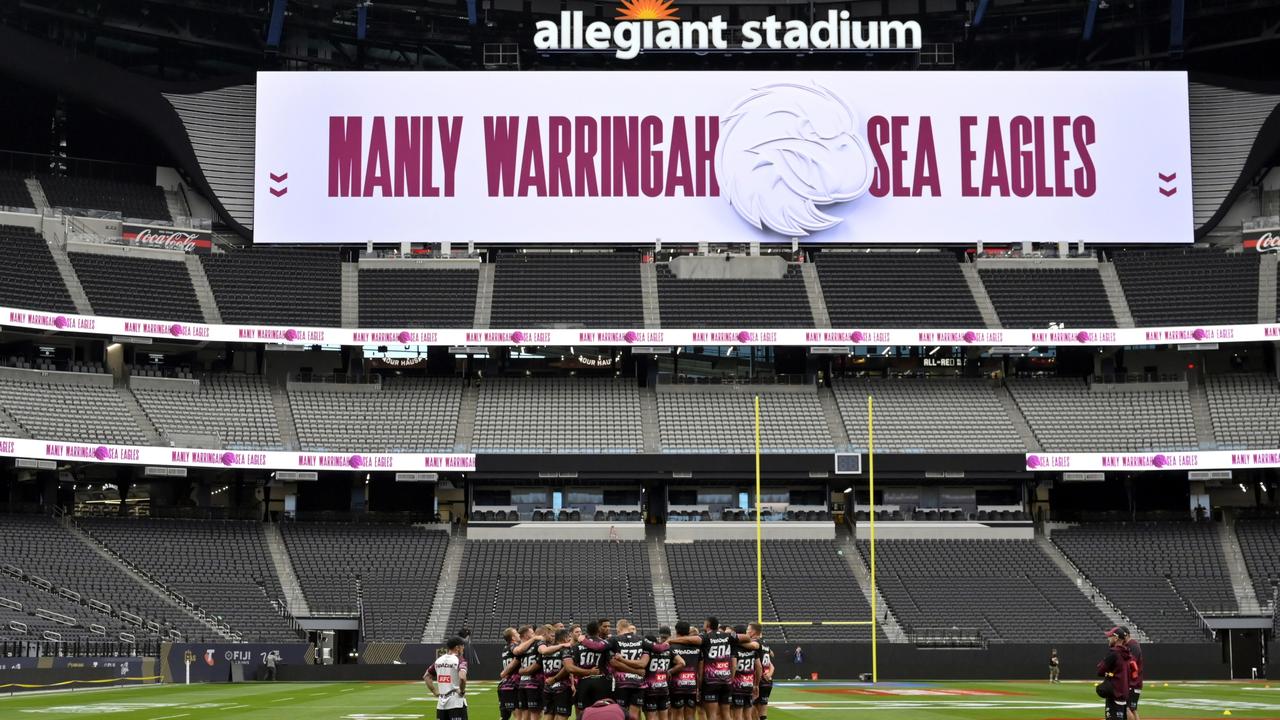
pixel 208 127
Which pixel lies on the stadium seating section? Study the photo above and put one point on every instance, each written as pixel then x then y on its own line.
pixel 43 549
pixel 132 200
pixel 1006 590
pixel 1260 545
pixel 1037 297
pixel 393 568
pixel 1067 416
pixel 418 297
pixel 400 415
pixel 14 192
pixel 918 415
pixel 594 290
pixel 724 422
pixel 1245 409
pixel 277 286
pixel 543 580
pixel 1157 574
pixel 29 277
pixel 559 415
pixel 235 410
pixel 730 303
pixel 805 580
pixel 1186 287
pixel 51 410
pixel 222 566
pixel 138 287
pixel 896 290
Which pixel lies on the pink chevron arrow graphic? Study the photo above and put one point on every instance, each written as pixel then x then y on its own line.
pixel 282 191
pixel 1167 178
pixel 285 176
pixel 1170 192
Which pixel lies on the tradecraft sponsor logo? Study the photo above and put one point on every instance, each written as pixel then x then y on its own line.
pixel 402 337
pixel 142 327
pixel 1073 336
pixel 966 336
pixel 227 458
pixel 628 337
pixel 281 334
pixel 644 25
pixel 1158 461
pixel 90 452
pixel 1268 459
pixel 853 336
pixel 57 322
pixel 1191 335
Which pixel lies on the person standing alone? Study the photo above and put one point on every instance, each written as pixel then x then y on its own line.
pixel 1054 666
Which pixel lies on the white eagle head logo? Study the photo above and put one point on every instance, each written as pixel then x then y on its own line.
pixel 787 148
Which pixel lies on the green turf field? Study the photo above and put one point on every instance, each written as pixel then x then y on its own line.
pixel 815 701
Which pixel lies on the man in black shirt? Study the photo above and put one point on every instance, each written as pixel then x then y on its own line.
pixel 629 660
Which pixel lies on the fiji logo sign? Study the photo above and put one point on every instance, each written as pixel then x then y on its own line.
pixel 643 25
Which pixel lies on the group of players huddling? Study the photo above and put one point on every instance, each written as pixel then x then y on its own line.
pixel 548 671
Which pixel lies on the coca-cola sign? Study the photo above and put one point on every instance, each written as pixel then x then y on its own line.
pixel 165 238
pixel 1266 242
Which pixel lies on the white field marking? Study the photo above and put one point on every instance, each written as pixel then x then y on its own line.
pixel 1262 689
pixel 383 716
pixel 318 694
pixel 169 717
pixel 347 690
pixel 282 699
pixel 1202 704
pixel 100 708
pixel 234 707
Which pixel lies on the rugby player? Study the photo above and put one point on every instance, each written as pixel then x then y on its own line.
pixel 508 678
pixel 1114 671
pixel 629 660
pixel 1135 672
pixel 558 686
pixel 716 664
pixel 530 673
pixel 756 632
pixel 684 681
pixel 587 666
pixel 746 676
pixel 447 679
pixel 657 680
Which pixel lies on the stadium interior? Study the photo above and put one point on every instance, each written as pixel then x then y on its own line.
pixel 619 480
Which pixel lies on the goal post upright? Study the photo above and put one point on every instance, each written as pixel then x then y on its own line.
pixel 759 529
pixel 871 487
pixel 875 670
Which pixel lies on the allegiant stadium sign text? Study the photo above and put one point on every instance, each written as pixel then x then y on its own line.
pixel 628 38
